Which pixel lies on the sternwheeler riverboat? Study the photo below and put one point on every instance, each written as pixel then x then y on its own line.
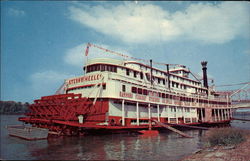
pixel 119 95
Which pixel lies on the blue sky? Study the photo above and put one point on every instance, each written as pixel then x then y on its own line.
pixel 43 42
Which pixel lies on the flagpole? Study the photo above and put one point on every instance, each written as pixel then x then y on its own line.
pixel 86 57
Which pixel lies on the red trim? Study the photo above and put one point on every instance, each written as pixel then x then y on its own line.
pixel 88 85
pixel 169 102
pixel 149 132
pixel 76 124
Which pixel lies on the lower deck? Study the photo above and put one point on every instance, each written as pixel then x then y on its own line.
pixel 126 113
pixel 58 113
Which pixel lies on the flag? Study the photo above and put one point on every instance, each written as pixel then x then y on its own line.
pixel 87 50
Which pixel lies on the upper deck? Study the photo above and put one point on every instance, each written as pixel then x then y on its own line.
pixel 132 80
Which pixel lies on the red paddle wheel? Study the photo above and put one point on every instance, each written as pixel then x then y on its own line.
pixel 59 113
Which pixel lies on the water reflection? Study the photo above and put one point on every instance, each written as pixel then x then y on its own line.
pixel 119 147
pixel 165 146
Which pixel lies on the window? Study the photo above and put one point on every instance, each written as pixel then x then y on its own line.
pixel 104 86
pixel 163 95
pixel 145 92
pixel 181 99
pixel 135 74
pixel 139 91
pixel 123 88
pixel 108 68
pixel 134 90
pixel 127 72
pixel 159 80
pixel 114 69
pixel 141 75
pixel 102 67
pixel 98 67
pixel 163 81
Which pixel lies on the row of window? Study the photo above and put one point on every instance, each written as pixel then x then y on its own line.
pixel 162 81
pixel 168 96
pixel 134 104
pixel 140 121
pixel 128 71
pixel 135 73
pixel 101 67
pixel 112 68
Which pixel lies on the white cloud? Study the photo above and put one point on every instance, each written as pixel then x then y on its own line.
pixel 76 55
pixel 214 23
pixel 140 23
pixel 16 12
pixel 47 82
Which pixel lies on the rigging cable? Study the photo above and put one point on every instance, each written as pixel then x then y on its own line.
pixel 233 84
pixel 130 57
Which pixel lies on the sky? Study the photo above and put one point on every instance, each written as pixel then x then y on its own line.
pixel 43 42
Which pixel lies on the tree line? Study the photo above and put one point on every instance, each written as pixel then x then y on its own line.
pixel 12 107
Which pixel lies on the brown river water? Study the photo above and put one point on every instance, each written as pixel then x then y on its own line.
pixel 165 146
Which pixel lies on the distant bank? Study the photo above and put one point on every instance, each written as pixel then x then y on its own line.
pixel 12 107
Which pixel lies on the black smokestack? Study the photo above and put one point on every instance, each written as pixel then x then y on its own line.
pixel 204 68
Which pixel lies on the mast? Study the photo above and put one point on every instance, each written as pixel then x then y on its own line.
pixel 86 57
pixel 168 75
pixel 151 72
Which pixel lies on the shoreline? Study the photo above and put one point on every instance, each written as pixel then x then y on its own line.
pixel 239 152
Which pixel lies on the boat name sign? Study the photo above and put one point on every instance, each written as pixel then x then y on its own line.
pixel 85 78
